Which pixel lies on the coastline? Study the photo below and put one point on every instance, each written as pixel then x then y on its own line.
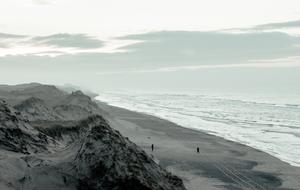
pixel 263 126
pixel 221 164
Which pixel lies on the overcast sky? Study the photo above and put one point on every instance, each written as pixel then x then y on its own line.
pixel 234 45
pixel 115 17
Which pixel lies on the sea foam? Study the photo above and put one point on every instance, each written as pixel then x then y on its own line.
pixel 271 127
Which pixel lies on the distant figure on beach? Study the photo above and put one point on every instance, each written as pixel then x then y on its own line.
pixel 152 147
pixel 198 150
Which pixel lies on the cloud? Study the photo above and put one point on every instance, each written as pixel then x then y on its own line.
pixel 41 2
pixel 290 27
pixel 81 41
pixel 156 50
pixel 53 45
pixel 279 25
pixel 196 48
pixel 9 40
pixel 3 45
pixel 10 36
pixel 292 62
pixel 171 51
pixel 191 58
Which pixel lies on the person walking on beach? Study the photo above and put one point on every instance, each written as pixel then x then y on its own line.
pixel 152 147
pixel 198 150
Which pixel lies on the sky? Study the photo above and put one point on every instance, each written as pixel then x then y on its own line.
pixel 114 17
pixel 158 45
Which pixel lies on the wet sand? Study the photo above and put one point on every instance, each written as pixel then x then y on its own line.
pixel 220 164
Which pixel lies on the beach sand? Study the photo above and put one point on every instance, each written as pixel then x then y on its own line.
pixel 220 164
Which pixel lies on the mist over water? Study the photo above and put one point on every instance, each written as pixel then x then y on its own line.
pixel 266 122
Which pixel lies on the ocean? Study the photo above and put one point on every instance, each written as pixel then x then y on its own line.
pixel 265 122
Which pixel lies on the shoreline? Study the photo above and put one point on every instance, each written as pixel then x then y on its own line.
pixel 275 154
pixel 263 135
pixel 221 163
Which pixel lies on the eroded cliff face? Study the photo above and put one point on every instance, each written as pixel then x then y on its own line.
pixel 77 154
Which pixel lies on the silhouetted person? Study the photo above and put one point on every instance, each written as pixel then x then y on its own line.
pixel 152 147
pixel 198 150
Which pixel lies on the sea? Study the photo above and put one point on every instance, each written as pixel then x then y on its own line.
pixel 270 123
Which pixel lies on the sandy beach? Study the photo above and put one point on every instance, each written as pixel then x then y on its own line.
pixel 220 164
